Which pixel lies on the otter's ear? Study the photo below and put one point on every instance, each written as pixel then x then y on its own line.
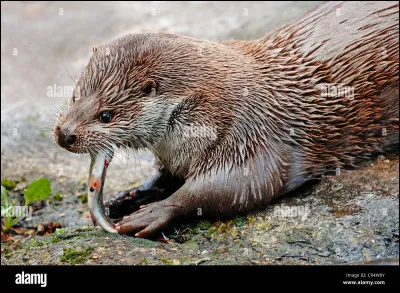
pixel 149 86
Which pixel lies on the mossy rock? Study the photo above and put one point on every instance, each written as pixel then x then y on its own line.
pixel 8 184
pixel 73 256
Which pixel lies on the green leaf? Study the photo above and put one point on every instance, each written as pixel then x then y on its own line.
pixel 38 190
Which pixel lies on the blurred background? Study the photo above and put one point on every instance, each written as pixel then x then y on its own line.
pixel 46 45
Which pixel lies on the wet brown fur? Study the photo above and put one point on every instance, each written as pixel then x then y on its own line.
pixel 272 128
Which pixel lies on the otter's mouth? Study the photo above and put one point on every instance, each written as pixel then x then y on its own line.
pixel 74 150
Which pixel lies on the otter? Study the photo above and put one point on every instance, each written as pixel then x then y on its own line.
pixel 234 125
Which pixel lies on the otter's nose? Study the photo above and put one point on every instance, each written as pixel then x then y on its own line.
pixel 66 140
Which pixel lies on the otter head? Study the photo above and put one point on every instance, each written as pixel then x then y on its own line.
pixel 116 101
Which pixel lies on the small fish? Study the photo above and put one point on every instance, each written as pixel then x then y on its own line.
pixel 97 175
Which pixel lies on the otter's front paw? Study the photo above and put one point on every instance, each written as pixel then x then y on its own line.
pixel 149 219
pixel 129 201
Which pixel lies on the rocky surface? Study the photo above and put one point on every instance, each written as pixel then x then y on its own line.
pixel 344 218
pixel 349 217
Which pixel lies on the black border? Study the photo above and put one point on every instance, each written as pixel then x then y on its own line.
pixel 199 278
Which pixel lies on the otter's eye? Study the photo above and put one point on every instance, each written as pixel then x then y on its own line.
pixel 105 117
